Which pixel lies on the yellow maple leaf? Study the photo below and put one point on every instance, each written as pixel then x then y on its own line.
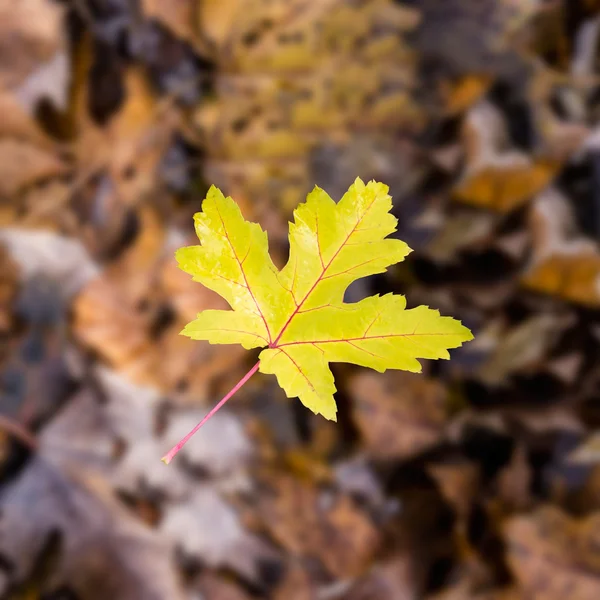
pixel 298 314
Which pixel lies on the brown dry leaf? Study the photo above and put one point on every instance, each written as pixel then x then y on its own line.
pixel 398 414
pixel 461 231
pixel 513 483
pixel 566 368
pixel 308 524
pixel 564 263
pixel 458 483
pixel 8 289
pixel 462 94
pixel 187 370
pixel 17 123
pixel 134 275
pixel 547 34
pixel 465 591
pixel 42 207
pixel 30 35
pixel 23 164
pixel 392 579
pixel 561 139
pixel 587 499
pixel 179 16
pixel 106 323
pixel 104 551
pixel 540 420
pixel 352 537
pixel 295 585
pixel 131 145
pixel 475 36
pixel 523 347
pixel 215 588
pixel 571 276
pixel 115 317
pixel 498 177
pixel 216 18
pixel 554 556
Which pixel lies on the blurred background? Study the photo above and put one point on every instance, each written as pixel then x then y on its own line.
pixel 477 480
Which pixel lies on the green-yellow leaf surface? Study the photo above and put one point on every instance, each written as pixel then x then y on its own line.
pixel 298 314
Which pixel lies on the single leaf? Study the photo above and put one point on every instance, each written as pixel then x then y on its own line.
pixel 298 314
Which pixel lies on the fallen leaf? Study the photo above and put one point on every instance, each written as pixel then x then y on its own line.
pixel 224 446
pixel 392 579
pixel 553 555
pixel 134 275
pixel 216 18
pixel 19 124
pixel 298 313
pixel 525 345
pixel 132 144
pixel 23 164
pixel 129 413
pixel 295 585
pixel 31 33
pixel 105 551
pixel 179 17
pixel 193 373
pixel 49 81
pixel 465 92
pixel 357 478
pixel 459 232
pixel 588 452
pixel 106 322
pixel 495 177
pixel 564 262
pixel 205 527
pixel 398 415
pixel 514 482
pixel 45 206
pixel 465 591
pixel 58 257
pixel 306 524
pixel 458 483
pixel 64 491
pixel 215 588
pixel 8 288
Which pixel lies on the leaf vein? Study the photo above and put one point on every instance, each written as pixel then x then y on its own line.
pixel 242 270
pixel 321 276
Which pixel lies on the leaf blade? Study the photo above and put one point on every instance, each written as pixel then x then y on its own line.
pixel 302 372
pixel 356 227
pixel 298 313
pixel 227 327
pixel 379 333
pixel 233 260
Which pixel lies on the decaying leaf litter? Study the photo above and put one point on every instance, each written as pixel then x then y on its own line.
pixel 468 481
